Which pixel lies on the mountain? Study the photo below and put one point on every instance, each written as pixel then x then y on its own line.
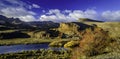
pixel 4 20
pixel 16 23
pixel 88 20
pixel 43 24
pixel 13 23
pixel 43 29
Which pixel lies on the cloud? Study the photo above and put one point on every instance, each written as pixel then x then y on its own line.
pixel 67 15
pixel 35 6
pixel 54 15
pixel 16 12
pixel 54 11
pixel 16 9
pixel 27 18
pixel 12 3
pixel 22 10
pixel 92 14
pixel 57 15
pixel 111 15
pixel 21 13
pixel 43 11
pixel 67 11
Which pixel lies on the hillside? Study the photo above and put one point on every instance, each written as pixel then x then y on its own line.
pixel 91 38
pixel 48 28
pixel 88 20
pixel 12 23
pixel 16 23
pixel 112 27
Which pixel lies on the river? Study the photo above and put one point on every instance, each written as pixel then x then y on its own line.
pixel 20 48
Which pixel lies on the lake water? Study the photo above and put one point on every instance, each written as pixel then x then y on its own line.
pixel 20 48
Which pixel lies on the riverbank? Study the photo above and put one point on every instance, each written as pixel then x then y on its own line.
pixel 27 41
pixel 38 54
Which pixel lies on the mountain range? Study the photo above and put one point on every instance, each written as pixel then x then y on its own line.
pixel 16 23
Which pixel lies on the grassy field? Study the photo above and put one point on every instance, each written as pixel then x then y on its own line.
pixel 27 41
pixel 113 49
pixel 38 54
pixel 112 27
pixel 24 41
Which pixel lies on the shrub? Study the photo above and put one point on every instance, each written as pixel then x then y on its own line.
pixel 71 44
pixel 94 41
pixel 57 43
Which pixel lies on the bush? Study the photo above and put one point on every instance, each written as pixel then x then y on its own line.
pixel 94 41
pixel 71 44
pixel 57 43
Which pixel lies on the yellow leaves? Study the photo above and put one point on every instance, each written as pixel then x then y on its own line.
pixel 58 43
pixel 94 41
pixel 71 44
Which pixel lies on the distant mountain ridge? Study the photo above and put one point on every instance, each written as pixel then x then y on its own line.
pixel 13 23
pixel 16 23
pixel 88 20
pixel 44 29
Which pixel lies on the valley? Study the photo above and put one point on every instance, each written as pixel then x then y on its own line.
pixel 83 39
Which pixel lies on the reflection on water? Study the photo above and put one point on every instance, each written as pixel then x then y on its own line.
pixel 19 48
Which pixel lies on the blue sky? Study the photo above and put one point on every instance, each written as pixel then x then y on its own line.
pixel 61 10
pixel 100 5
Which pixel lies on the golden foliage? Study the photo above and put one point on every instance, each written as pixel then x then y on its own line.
pixel 94 41
pixel 58 43
pixel 71 44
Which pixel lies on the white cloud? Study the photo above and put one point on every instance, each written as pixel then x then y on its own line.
pixel 16 9
pixel 68 15
pixel 57 15
pixel 19 9
pixel 111 15
pixel 16 12
pixel 27 18
pixel 76 14
pixel 53 11
pixel 67 11
pixel 35 6
pixel 54 15
pixel 45 18
pixel 12 3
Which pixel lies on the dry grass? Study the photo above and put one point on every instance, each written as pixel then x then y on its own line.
pixel 72 44
pixel 94 42
pixel 112 27
pixel 57 43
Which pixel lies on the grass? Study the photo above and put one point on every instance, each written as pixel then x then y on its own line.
pixel 112 27
pixel 71 44
pixel 38 54
pixel 6 31
pixel 113 50
pixel 57 43
pixel 24 41
pixel 27 41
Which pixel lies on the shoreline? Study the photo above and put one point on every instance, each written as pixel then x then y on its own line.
pixel 26 41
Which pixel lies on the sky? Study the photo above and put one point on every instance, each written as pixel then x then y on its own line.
pixel 61 10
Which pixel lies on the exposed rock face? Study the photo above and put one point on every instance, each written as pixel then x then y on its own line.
pixel 44 34
pixel 69 28
pixel 46 29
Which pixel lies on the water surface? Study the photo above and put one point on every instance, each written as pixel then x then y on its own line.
pixel 20 48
